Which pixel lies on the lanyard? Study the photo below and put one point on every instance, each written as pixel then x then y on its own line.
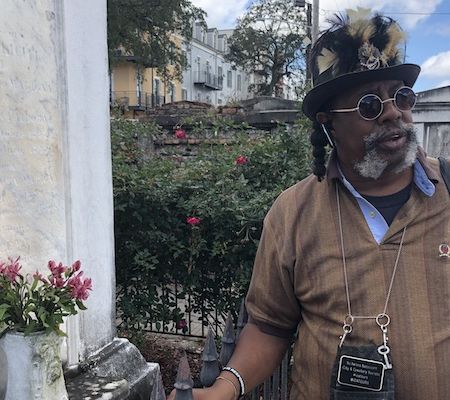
pixel 381 319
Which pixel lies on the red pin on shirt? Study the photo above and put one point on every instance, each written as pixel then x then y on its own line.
pixel 444 250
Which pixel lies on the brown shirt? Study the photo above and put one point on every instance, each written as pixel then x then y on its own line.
pixel 298 283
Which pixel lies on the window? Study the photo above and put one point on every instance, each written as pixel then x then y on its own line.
pixel 197 68
pixel 138 81
pixel 184 53
pixel 172 92
pixel 239 82
pixel 220 76
pixel 156 86
pixel 229 79
pixel 156 92
pixel 184 94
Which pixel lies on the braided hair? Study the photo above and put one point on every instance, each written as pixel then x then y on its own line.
pixel 319 142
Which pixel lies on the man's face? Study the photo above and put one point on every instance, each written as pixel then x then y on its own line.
pixel 371 148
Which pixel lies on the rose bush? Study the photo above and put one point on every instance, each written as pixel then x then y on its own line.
pixel 195 220
pixel 32 303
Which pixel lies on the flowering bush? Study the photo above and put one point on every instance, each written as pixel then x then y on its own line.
pixel 195 220
pixel 39 303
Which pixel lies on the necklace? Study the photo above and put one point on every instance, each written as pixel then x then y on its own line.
pixel 382 319
pixel 363 368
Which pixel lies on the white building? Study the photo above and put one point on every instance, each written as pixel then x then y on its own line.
pixel 432 120
pixel 209 78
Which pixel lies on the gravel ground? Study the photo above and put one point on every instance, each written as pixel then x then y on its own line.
pixel 166 350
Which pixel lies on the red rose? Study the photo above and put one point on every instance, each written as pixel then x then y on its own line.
pixel 241 160
pixel 180 134
pixel 193 221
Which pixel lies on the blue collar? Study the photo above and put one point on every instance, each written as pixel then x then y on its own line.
pixel 374 219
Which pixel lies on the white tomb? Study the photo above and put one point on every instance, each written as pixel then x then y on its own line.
pixel 55 172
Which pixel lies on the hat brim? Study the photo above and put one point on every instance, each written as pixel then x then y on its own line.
pixel 321 94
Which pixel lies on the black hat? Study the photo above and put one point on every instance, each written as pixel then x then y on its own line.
pixel 356 49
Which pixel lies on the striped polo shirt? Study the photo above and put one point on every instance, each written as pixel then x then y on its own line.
pixel 298 284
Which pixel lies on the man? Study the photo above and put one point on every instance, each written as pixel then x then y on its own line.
pixel 354 259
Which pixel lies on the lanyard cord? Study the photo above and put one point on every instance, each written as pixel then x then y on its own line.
pixel 350 316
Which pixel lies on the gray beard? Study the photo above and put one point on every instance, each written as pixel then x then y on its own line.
pixel 374 164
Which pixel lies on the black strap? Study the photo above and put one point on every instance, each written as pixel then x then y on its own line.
pixel 445 171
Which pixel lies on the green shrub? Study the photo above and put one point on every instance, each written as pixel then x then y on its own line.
pixel 154 197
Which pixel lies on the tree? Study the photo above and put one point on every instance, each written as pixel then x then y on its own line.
pixel 269 40
pixel 144 29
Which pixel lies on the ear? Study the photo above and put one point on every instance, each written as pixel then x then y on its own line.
pixel 323 117
pixel 325 122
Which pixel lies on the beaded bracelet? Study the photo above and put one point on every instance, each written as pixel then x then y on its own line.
pixel 238 377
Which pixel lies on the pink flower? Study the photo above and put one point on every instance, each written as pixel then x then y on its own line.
pixel 180 133
pixel 181 324
pixel 37 275
pixel 76 266
pixel 56 270
pixel 57 281
pixel 241 160
pixel 79 286
pixel 193 221
pixel 11 270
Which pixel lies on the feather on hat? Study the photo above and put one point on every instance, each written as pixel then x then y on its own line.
pixel 356 43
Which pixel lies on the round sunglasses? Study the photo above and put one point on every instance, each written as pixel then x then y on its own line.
pixel 370 106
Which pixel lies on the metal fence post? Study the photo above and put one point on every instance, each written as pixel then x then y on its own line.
pixel 210 366
pixel 242 319
pixel 228 341
pixel 184 382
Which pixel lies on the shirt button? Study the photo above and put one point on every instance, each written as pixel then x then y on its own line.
pixel 373 214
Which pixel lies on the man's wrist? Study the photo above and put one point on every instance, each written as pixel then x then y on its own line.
pixel 238 377
pixel 225 388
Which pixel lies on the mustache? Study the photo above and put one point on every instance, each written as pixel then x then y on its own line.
pixel 399 128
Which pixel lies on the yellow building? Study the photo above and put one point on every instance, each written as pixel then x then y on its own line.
pixel 136 88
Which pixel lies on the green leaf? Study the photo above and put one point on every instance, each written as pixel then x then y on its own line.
pixel 30 328
pixel 3 311
pixel 80 305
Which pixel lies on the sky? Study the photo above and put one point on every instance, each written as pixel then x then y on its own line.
pixel 427 23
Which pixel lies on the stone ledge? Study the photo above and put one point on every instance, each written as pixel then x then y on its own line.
pixel 89 387
pixel 118 371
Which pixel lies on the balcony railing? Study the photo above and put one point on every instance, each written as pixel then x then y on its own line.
pixel 209 80
pixel 136 100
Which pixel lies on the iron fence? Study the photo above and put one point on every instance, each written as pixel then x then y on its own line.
pixel 136 99
pixel 274 388
pixel 186 313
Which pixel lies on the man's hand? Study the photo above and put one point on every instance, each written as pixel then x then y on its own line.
pixel 216 392
pixel 255 357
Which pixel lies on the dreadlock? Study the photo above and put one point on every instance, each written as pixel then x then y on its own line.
pixel 319 142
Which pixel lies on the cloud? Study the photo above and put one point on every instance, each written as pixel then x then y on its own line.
pixel 437 65
pixel 443 83
pixel 222 15
pixel 395 9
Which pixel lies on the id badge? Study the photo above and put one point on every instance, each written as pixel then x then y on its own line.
pixel 360 373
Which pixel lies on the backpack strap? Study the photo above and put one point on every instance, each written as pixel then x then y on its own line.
pixel 445 171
